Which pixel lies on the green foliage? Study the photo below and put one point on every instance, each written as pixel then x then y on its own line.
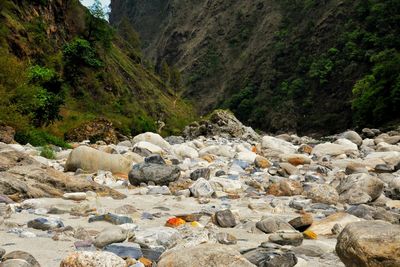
pixel 37 137
pixel 47 152
pixel 98 30
pixel 79 52
pixel 320 69
pixel 165 71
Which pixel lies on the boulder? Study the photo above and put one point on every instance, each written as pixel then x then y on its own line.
pixel 147 148
pixel 295 159
pixel 325 226
pixel 391 157
pixel 92 259
pixel 206 255
pixel 321 193
pixel 97 130
pixel 272 146
pixel 270 256
pixel 201 188
pixel 109 235
pixel 287 238
pixel 262 162
pixel 226 185
pixel 285 187
pixel 272 225
pixel 200 173
pixel 218 150
pixel 333 150
pixel 369 243
pixel 225 219
pixel 183 151
pixel 152 138
pixel 18 257
pixel 359 188
pixel 166 237
pixel 156 173
pixel 353 137
pixel 92 160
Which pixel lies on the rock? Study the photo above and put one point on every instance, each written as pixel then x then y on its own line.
pixel 309 250
pixel 321 193
pixel 392 157
pixel 20 255
pixel 145 149
pixel 99 129
pixel 272 225
pixel 226 185
pixel 175 140
pixel 272 146
pixel 393 188
pixel 166 237
pixel 7 134
pixel 222 123
pixel 206 255
pixel 200 173
pixel 305 149
pixel 353 137
pixel 369 243
pixel 149 172
pixel 359 188
pixel 270 257
pixel 262 162
pixel 288 168
pixel 155 159
pixel 179 185
pixel 201 188
pixel 284 238
pixel 92 160
pixel 373 213
pixel 152 138
pixel 111 218
pixel 225 219
pixel 324 226
pixel 333 150
pixel 354 167
pixel 78 196
pixel 285 188
pixel 45 224
pixel 295 159
pixel 184 151
pixel 370 133
pixel 125 250
pixel 92 259
pixel 110 235
pixel 247 156
pixel 158 190
pixel 226 239
pixel 302 223
pixel 15 263
pixel 22 176
pixel 220 150
pixel 2 252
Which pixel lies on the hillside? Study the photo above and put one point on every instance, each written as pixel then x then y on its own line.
pixel 60 66
pixel 305 66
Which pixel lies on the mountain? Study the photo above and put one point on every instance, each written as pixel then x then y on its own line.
pixel 62 66
pixel 279 65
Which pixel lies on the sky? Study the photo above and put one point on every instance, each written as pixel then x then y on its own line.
pixel 90 2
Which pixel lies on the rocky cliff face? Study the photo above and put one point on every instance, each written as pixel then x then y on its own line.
pixel 279 65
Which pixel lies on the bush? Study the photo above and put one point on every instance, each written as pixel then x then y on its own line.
pixel 47 152
pixel 38 137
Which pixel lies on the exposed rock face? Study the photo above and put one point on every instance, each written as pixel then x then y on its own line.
pixel 100 129
pixel 222 123
pixel 23 177
pixel 206 255
pixel 6 134
pixel 369 243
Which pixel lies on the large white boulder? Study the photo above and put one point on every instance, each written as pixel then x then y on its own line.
pixel 153 138
pixel 274 146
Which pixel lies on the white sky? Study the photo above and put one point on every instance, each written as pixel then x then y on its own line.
pixel 90 2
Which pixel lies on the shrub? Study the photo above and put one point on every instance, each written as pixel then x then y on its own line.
pixel 47 152
pixel 38 137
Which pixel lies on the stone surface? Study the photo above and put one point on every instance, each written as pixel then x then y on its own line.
pixel 200 173
pixel 325 226
pixel 201 188
pixel 271 257
pixel 6 134
pixel 359 188
pixel 99 129
pixel 21 255
pixel 321 193
pixel 225 218
pixel 272 146
pixel 92 259
pixel 302 223
pixel 110 235
pixel 272 225
pixel 152 138
pixel 206 255
pixel 156 173
pixel 283 238
pixel 369 244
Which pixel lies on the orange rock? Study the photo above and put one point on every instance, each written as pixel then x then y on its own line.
pixel 285 188
pixel 208 157
pixel 310 234
pixel 122 176
pixel 146 262
pixel 305 149
pixel 175 222
pixel 262 162
pixel 296 161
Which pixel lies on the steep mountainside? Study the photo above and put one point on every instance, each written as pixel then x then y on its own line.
pixel 279 65
pixel 60 66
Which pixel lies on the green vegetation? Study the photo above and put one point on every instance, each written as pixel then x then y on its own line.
pixel 47 152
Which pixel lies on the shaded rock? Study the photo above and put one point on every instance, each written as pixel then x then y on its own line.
pixel 302 223
pixel 111 218
pixel 92 259
pixel 225 218
pixel 125 250
pixel 272 225
pixel 149 172
pixel 200 173
pixel 99 129
pixel 373 213
pixel 369 243
pixel 283 238
pixel 92 160
pixel 201 188
pixel 359 188
pixel 21 255
pixel 309 250
pixel 179 185
pixel 206 255
pixel 226 239
pixel 110 235
pixel 353 137
pixel 321 193
pixel 2 252
pixel 155 159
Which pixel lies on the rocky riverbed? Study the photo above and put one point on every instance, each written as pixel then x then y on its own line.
pixel 221 195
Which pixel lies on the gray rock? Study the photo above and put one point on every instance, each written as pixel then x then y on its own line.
pixel 2 252
pixel 200 173
pixel 111 218
pixel 155 159
pixel 272 225
pixel 158 236
pixel 369 243
pixel 149 172
pixel 22 257
pixel 225 219
pixel 309 250
pixel 283 238
pixel 110 235
pixel 359 188
pixel 45 223
pixel 125 250
pixel 15 263
pixel 353 137
pixel 321 193
pixel 201 188
pixel 158 190
pixel 271 257
pixel 226 239
pixel 175 140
